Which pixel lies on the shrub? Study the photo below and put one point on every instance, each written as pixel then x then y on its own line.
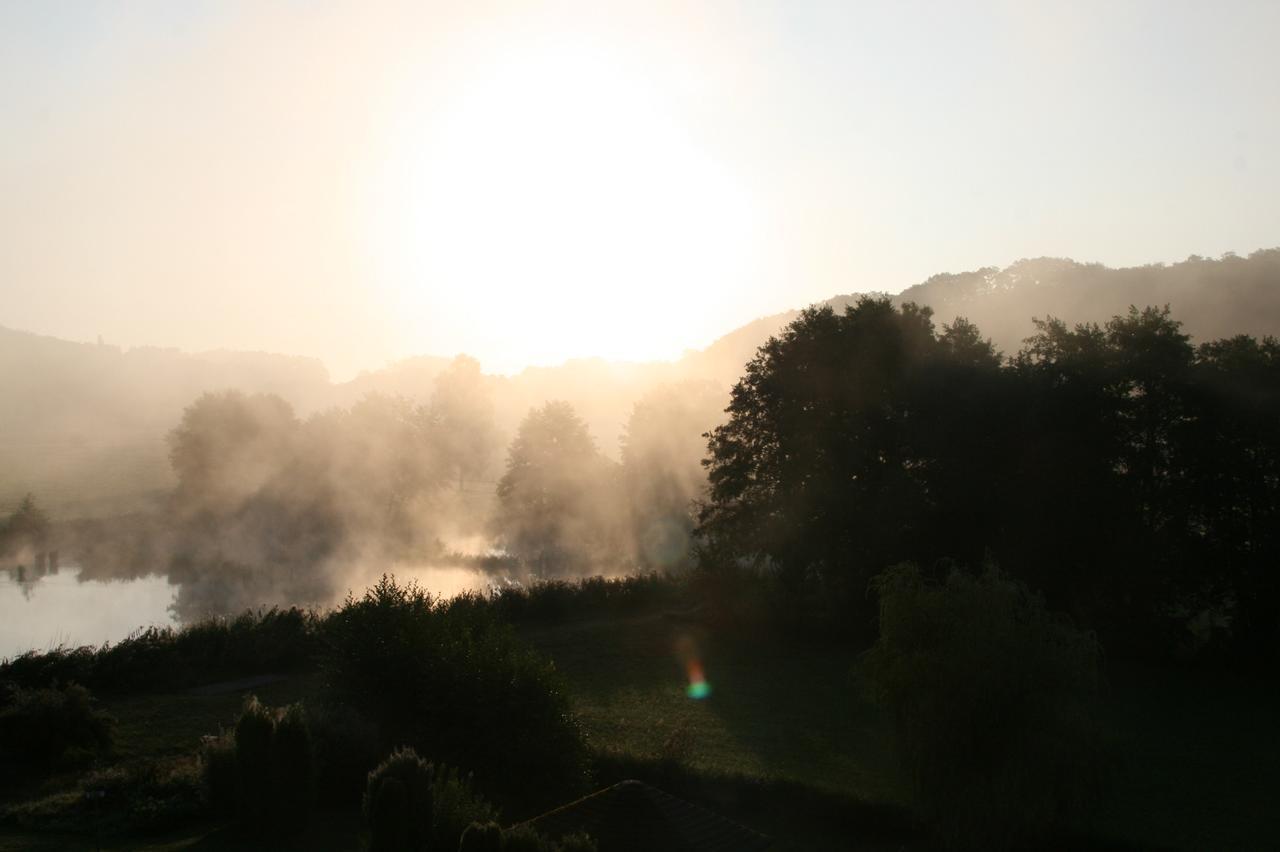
pixel 346 750
pixel 993 701
pixel 255 764
pixel 481 837
pixel 45 727
pixel 146 796
pixel 454 682
pixel 265 768
pixel 219 777
pixel 294 765
pixel 523 838
pixel 398 803
pixel 273 640
pixel 577 843
pixel 141 796
pixel 457 805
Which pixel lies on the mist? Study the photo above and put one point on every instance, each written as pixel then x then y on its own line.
pixel 250 479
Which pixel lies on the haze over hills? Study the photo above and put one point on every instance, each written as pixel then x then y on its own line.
pixel 83 425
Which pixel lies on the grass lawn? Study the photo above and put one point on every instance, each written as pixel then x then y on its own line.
pixel 787 743
pixel 790 712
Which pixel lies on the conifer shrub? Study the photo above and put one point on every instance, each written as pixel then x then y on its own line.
pixel 294 765
pixel 993 700
pixel 263 769
pixel 346 750
pixel 398 803
pixel 219 775
pixel 255 761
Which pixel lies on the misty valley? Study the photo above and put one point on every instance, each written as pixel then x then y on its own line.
pixel 608 426
pixel 758 594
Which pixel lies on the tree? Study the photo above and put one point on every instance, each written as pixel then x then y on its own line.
pixel 228 445
pixel 462 422
pixel 555 500
pixel 994 704
pixel 823 467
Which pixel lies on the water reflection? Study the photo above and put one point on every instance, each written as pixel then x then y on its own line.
pixel 44 604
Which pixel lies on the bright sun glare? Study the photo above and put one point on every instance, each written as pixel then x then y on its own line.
pixel 557 209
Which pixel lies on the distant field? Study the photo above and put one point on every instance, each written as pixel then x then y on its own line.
pixel 1198 759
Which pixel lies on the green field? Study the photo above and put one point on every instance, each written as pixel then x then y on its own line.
pixel 788 744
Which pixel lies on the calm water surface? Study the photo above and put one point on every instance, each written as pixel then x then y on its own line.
pixel 58 609
pixel 39 611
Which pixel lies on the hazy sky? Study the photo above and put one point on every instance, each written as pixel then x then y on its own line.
pixel 528 182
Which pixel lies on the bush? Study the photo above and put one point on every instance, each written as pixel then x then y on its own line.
pixel 555 601
pixel 346 750
pixel 143 796
pixel 457 805
pixel 264 769
pixel 481 837
pixel 398 803
pixel 993 701
pixel 411 804
pixel 43 728
pixel 255 763
pixel 577 843
pixel 454 682
pixel 294 765
pixel 219 776
pixel 274 640
pixel 523 838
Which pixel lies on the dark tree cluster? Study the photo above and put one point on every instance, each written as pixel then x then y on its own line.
pixel 1131 476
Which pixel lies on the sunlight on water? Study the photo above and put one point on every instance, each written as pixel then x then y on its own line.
pixel 38 613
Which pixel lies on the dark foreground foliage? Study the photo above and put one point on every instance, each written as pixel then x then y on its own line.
pixel 1131 477
pixel 412 805
pixel 264 769
pixel 289 640
pixel 47 727
pixel 454 682
pixel 157 658
pixel 994 702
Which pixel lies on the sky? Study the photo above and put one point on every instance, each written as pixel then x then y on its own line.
pixel 531 182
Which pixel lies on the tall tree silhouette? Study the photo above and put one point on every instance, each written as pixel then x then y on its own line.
pixel 554 501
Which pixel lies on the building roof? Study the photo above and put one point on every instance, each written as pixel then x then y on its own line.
pixel 631 816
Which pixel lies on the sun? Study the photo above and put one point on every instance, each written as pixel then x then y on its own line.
pixel 554 205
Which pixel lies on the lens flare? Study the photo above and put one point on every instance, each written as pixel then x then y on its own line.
pixel 698 686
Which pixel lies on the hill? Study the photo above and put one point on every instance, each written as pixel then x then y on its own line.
pixel 84 424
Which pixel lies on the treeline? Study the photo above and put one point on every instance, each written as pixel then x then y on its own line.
pixel 271 508
pixel 1129 475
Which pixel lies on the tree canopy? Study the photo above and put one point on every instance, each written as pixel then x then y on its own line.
pixel 554 503
pixel 1128 475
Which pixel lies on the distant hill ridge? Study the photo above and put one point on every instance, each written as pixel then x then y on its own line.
pixel 1213 299
pixel 84 422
